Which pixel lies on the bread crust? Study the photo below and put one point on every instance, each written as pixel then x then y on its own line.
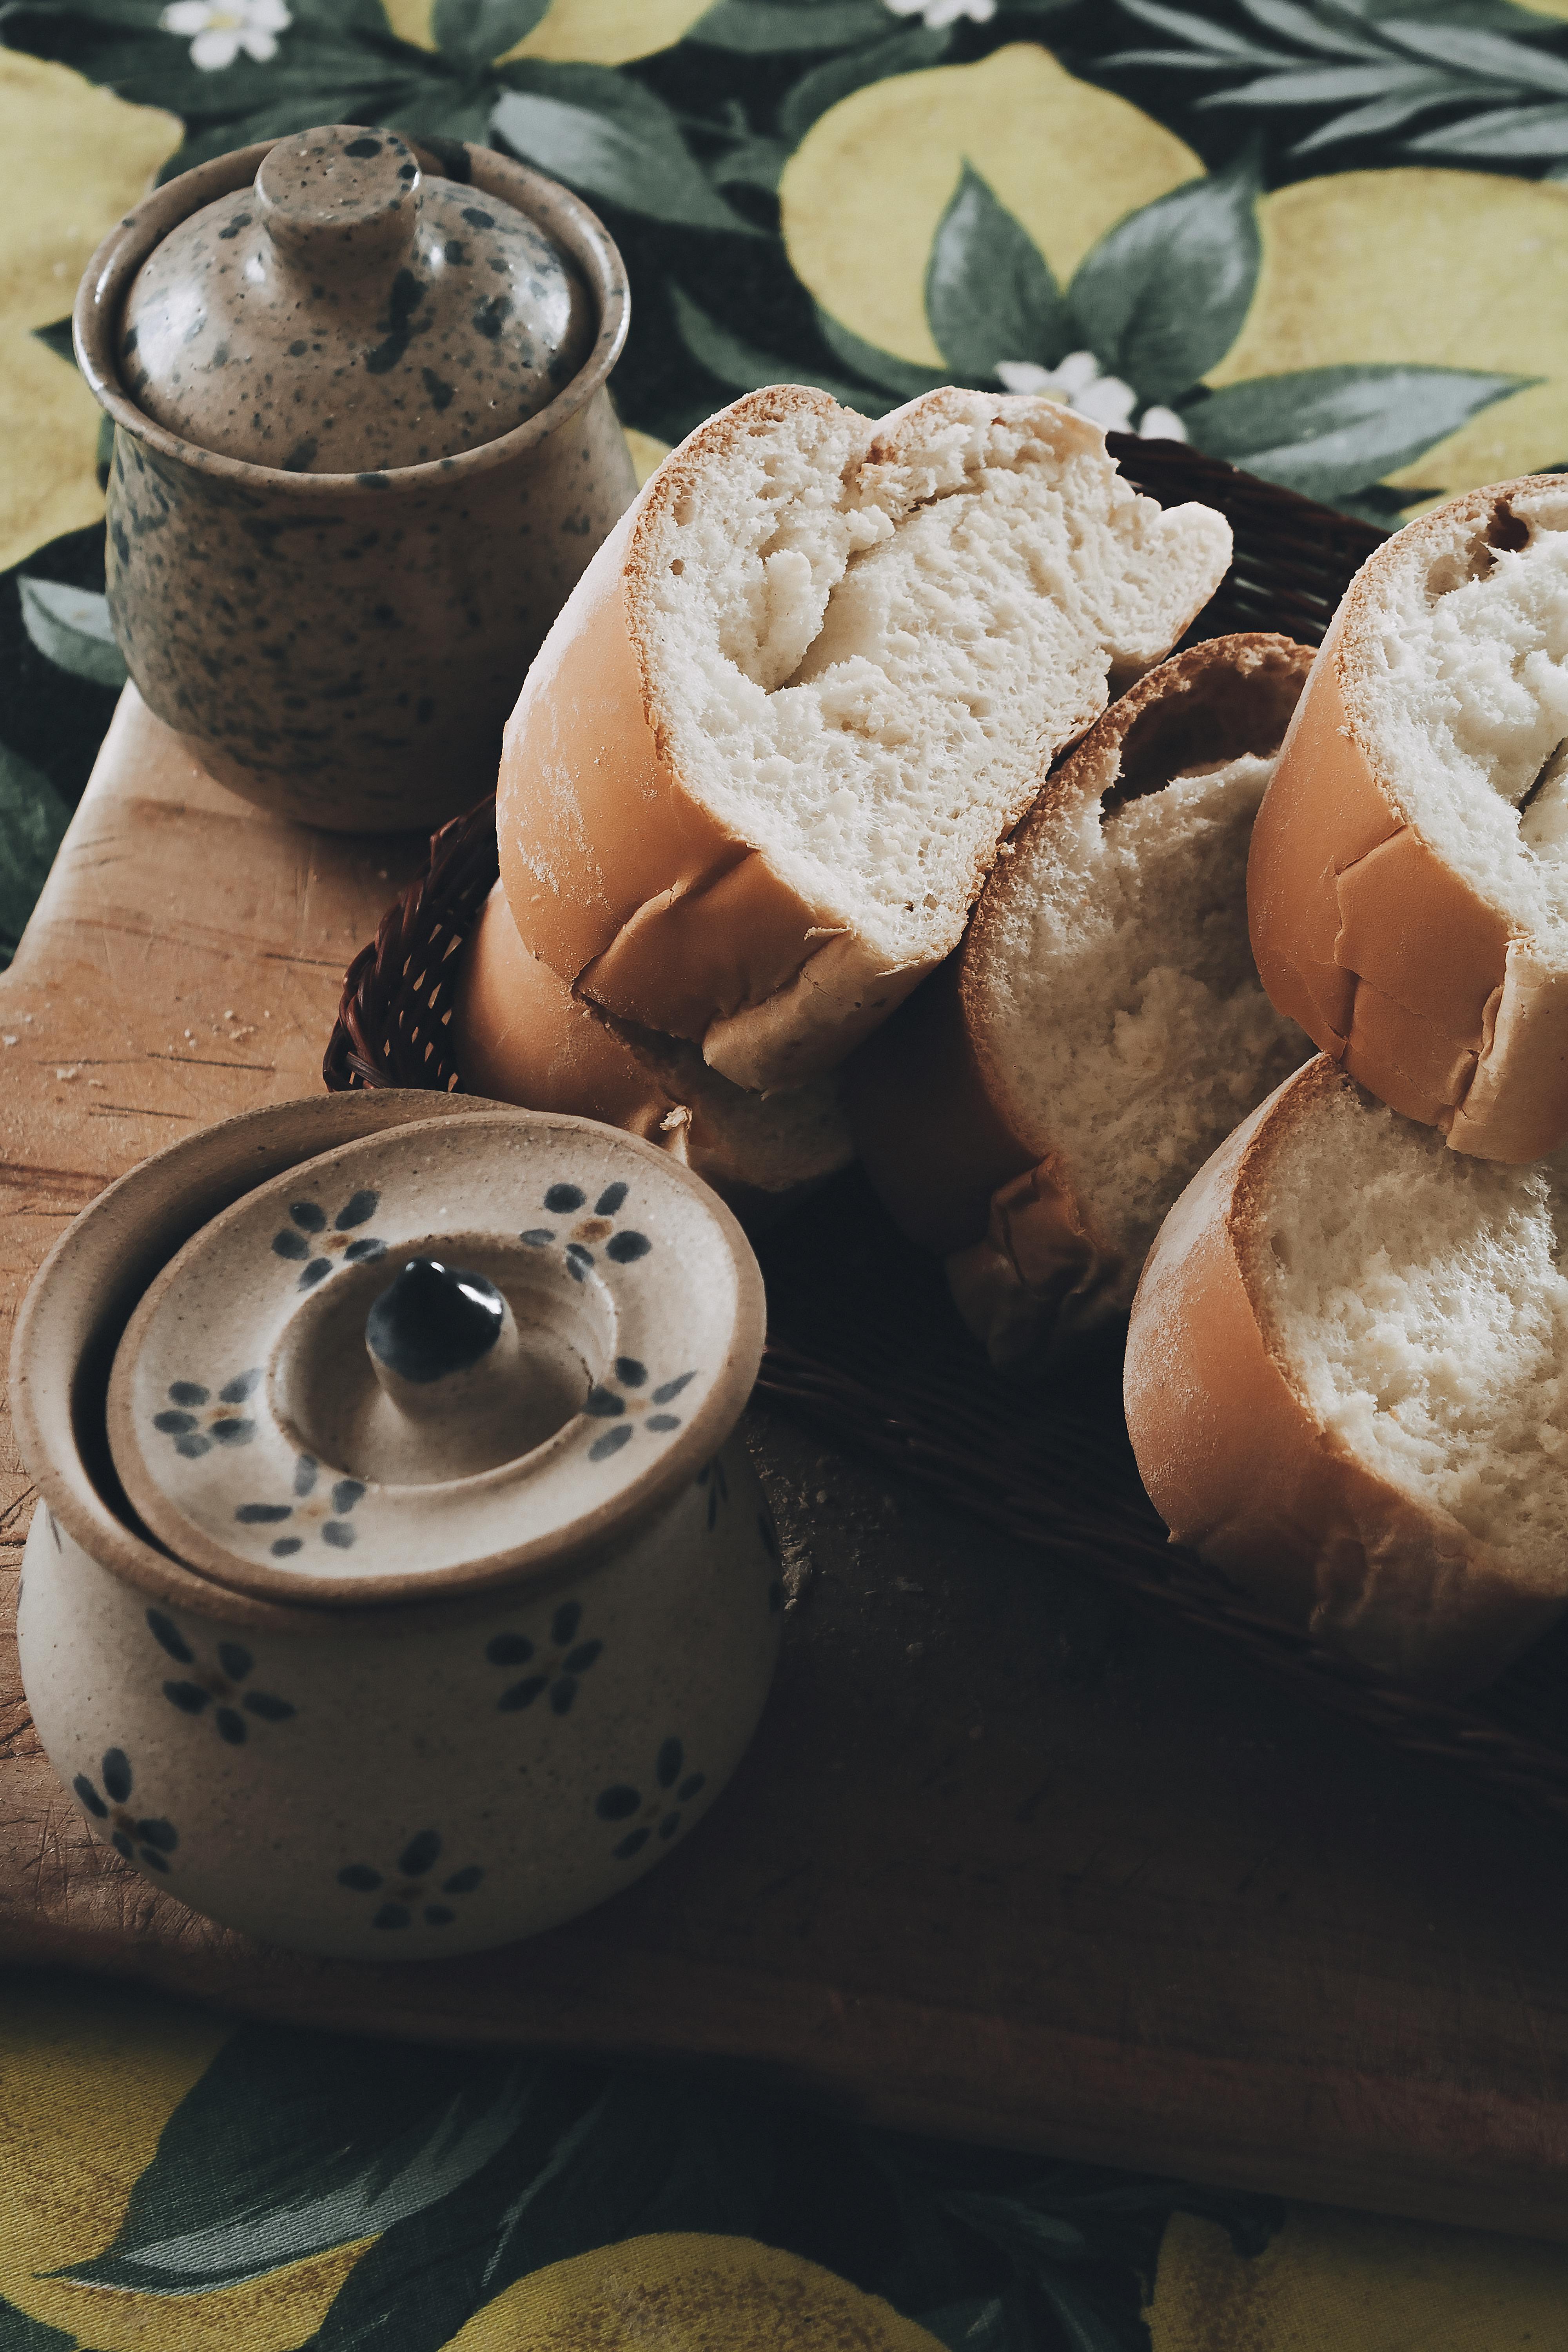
pixel 1025 1256
pixel 1393 963
pixel 521 1036
pixel 1241 1469
pixel 629 888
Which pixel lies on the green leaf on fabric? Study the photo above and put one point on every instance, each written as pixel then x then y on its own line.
pixel 1505 134
pixel 1479 56
pixel 1084 2326
pixel 56 338
pixel 33 821
pixel 478 30
pixel 980 2324
pixel 70 627
pixel 771 28
pixel 839 78
pixel 1161 299
pixel 742 367
pixel 427 2274
pixel 906 378
pixel 1328 36
pixel 1200 30
pixel 19 2333
pixel 293 2143
pixel 463 118
pixel 1327 432
pixel 1330 85
pixel 611 138
pixel 990 295
pixel 750 163
pixel 1367 122
pixel 644 2157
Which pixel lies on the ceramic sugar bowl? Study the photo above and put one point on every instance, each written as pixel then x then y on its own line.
pixel 363 449
pixel 399 1584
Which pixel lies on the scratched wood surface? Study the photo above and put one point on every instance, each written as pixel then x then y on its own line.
pixel 1008 1860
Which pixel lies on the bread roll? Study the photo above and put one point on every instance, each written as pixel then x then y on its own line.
pixel 758 772
pixel 1035 1108
pixel 522 1037
pixel 1345 1383
pixel 1409 881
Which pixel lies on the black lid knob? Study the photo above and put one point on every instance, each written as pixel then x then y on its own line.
pixel 435 1319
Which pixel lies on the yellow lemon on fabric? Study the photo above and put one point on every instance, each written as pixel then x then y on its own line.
pixel 587 32
pixel 1462 269
pixel 863 193
pixel 1359 2284
pixel 76 158
pixel 680 2293
pixel 89 2074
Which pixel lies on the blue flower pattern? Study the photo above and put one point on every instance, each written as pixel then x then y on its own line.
pixel 322 1511
pixel 625 1398
pixel 556 1670
pixel 622 1245
pixel 410 1887
pixel 196 1421
pixel 306 1242
pixel 219 1688
pixel 660 1813
pixel 150 1842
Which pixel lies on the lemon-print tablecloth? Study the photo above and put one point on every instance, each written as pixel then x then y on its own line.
pixel 1326 238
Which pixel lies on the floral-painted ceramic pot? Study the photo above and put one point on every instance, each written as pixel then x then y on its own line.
pixel 363 450
pixel 458 1599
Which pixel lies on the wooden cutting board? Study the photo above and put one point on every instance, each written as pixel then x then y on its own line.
pixel 1009 1860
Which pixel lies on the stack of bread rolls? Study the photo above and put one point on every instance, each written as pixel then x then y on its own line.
pixel 853 805
pixel 1347 1367
pixel 759 771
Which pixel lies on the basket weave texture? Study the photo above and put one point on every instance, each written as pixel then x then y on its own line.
pixel 862 1336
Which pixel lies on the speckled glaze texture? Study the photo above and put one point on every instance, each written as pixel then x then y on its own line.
pixel 348 312
pixel 420 1754
pixel 347 496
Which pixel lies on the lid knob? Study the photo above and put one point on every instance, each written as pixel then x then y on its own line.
pixel 340 198
pixel 462 1389
pixel 434 1322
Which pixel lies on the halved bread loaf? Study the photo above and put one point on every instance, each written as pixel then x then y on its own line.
pixel 1347 1381
pixel 1035 1108
pixel 759 770
pixel 1409 880
pixel 521 1036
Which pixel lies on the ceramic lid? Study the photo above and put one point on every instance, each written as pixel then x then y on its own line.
pixel 434 1357
pixel 351 313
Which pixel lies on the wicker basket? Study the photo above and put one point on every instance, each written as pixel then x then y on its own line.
pixel 862 1335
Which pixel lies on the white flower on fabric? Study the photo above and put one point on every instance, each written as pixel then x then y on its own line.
pixel 219 30
pixel 936 15
pixel 1078 384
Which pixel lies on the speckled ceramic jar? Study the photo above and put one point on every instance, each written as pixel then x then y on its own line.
pixel 488 1701
pixel 363 450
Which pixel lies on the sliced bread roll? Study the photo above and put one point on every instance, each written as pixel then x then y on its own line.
pixel 759 770
pixel 1409 881
pixel 1033 1111
pixel 1347 1381
pixel 522 1037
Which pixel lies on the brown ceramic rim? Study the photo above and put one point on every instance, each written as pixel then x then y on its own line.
pixel 100 297
pixel 593 1532
pixel 386 1605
